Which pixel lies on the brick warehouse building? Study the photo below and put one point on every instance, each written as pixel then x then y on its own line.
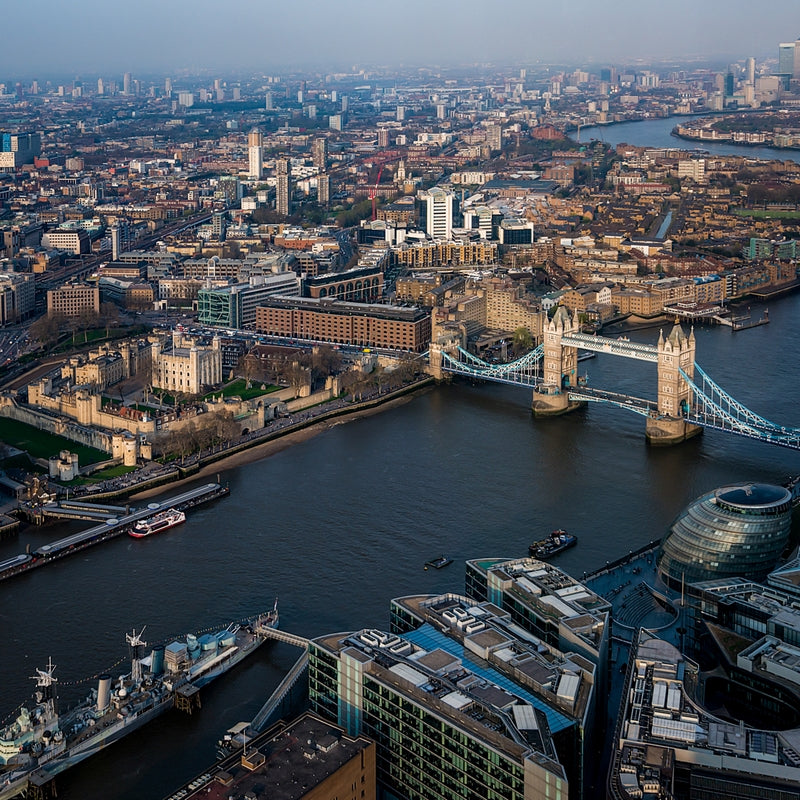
pixel 324 319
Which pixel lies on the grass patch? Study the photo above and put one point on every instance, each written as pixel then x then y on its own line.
pixel 238 388
pixel 41 444
pixel 100 475
pixel 163 397
pixel 763 213
pixel 96 335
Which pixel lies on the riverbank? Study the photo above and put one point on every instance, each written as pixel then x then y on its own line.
pixel 271 446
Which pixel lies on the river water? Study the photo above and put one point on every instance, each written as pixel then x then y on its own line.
pixel 338 525
pixel 658 133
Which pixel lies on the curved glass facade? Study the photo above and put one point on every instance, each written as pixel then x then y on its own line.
pixel 736 531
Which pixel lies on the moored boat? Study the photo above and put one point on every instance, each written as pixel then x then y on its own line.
pixel 558 541
pixel 157 523
pixel 42 742
pixel 438 562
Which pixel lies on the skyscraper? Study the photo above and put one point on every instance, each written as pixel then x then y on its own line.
pixel 255 149
pixel 750 71
pixel 729 84
pixel 789 59
pixel 320 154
pixel 438 212
pixel 494 137
pixel 323 189
pixel 282 187
pixel 126 83
pixel 269 102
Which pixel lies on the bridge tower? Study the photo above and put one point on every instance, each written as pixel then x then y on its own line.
pixel 675 353
pixel 447 339
pixel 560 367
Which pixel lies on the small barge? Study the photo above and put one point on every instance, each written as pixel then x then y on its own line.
pixel 438 562
pixel 555 543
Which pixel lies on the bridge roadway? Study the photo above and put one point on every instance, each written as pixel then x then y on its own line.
pixel 636 404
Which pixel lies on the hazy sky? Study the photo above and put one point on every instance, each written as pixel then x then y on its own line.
pixel 90 37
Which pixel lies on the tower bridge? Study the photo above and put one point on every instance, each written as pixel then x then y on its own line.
pixel 687 399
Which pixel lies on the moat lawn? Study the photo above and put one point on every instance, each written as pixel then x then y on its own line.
pixel 238 388
pixel 41 444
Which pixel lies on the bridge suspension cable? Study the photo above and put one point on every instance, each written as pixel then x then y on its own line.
pixel 713 407
pixel 524 371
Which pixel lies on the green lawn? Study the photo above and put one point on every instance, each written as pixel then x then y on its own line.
pixel 762 213
pixel 96 335
pixel 100 475
pixel 40 444
pixel 239 388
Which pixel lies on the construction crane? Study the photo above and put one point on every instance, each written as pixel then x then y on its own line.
pixel 374 192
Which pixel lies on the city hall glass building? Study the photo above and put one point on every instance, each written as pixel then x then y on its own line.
pixel 735 531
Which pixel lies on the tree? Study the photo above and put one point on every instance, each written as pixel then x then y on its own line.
pixel 522 340
pixel 46 330
pixel 109 315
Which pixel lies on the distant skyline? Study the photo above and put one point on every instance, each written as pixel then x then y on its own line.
pixel 90 37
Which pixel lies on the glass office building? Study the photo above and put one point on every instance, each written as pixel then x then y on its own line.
pixel 736 531
pixel 443 729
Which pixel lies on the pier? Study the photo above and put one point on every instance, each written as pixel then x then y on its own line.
pixel 74 509
pixel 111 528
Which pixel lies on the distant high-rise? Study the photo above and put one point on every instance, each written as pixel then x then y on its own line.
pixel 320 154
pixel 255 149
pixel 383 137
pixel 750 71
pixel 345 102
pixel 101 89
pixel 282 188
pixel 323 189
pixel 729 84
pixel 494 137
pixel 168 87
pixel 126 83
pixel 269 102
pixel 400 113
pixel 789 59
pixel 439 205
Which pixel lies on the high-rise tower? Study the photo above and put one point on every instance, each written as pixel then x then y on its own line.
pixel 282 188
pixel 255 151
pixel 320 154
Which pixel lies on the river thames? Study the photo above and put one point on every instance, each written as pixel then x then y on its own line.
pixel 339 524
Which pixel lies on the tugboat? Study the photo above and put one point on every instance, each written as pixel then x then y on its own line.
pixel 555 543
pixel 439 562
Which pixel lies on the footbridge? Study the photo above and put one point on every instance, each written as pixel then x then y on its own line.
pixel 687 399
pixel 285 636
